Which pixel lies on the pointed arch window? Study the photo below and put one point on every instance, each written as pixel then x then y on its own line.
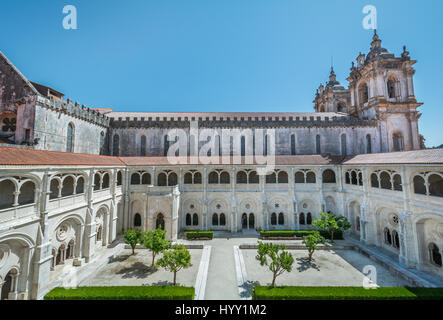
pixel 102 143
pixel 165 145
pixel 343 145
pixel 398 143
pixel 317 144
pixel 70 138
pixel 293 145
pixel 143 145
pixel 116 145
pixel 368 144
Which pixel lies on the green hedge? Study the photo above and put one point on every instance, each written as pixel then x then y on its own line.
pixel 346 293
pixel 122 293
pixel 338 235
pixel 199 234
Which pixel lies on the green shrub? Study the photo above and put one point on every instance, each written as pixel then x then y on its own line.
pixel 122 293
pixel 338 235
pixel 345 293
pixel 199 234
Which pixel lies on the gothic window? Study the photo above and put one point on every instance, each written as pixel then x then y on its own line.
pixel 435 185
pixel 68 186
pixel 215 219
pixel 343 145
pixel 146 178
pixel 242 177
pixel 137 220
pixel 265 149
pixel 310 177
pixel 271 178
pixel 388 238
pixel 135 178
pixel 116 145
pixel 195 219
pixel 273 219
pixel 97 182
pixel 395 240
pixel 162 180
pixel 360 179
pixel 243 146
pixel 385 180
pixel 188 178
pixel 54 189
pixel 143 145
pixel 188 219
pixel 80 186
pixel 197 178
pixel 301 218
pixel 397 183
pixel 27 193
pixel 253 178
pixel 282 177
pixel 251 221
pixel 70 138
pixel 419 185
pixel 341 107
pixel 309 218
pixel 398 143
pixel 328 176
pixel 222 219
pixel 435 255
pixel 299 177
pixel 213 177
pixel 293 144
pixel 119 178
pixel 347 178
pixel 105 183
pixel 354 178
pixel 368 144
pixel 102 143
pixel 281 218
pixel 357 223
pixel 224 178
pixel 374 181
pixel 317 144
pixel 172 179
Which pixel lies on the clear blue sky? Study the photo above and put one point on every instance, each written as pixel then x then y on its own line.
pixel 217 55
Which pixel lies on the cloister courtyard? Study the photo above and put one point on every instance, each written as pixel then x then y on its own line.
pixel 225 267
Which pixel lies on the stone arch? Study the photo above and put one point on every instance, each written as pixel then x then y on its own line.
pixel 354 216
pixel 328 176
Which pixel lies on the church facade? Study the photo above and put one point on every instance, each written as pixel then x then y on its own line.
pixel 73 178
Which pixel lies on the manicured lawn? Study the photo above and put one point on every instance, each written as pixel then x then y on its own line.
pixel 122 293
pixel 199 234
pixel 338 235
pixel 346 293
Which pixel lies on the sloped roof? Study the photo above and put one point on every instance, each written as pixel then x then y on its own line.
pixel 12 156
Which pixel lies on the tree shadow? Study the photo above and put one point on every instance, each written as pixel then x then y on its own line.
pixel 304 264
pixel 137 270
pixel 119 258
pixel 162 283
pixel 248 286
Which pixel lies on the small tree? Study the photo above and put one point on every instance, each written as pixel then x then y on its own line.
pixel 132 238
pixel 311 241
pixel 280 261
pixel 155 241
pixel 331 223
pixel 176 259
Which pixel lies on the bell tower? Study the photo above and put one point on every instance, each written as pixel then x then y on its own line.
pixel 381 87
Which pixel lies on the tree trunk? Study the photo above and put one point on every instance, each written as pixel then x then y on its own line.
pixel 332 236
pixel 175 277
pixel 310 255
pixel 274 276
pixel 133 250
pixel 153 259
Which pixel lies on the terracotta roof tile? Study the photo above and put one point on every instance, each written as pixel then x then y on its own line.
pixel 19 156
